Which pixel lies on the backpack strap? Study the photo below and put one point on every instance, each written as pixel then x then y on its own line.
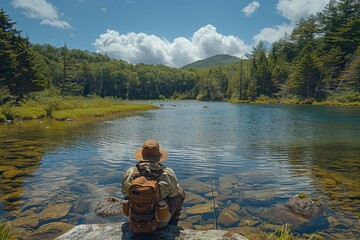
pixel 145 170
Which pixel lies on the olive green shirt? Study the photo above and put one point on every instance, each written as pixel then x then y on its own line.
pixel 168 183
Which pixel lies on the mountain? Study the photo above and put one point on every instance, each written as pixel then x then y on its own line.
pixel 221 59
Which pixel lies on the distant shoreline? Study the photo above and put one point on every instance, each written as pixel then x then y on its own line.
pixel 298 102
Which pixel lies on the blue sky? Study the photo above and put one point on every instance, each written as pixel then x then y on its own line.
pixel 168 32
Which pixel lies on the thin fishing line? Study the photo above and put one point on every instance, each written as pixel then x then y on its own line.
pixel 211 189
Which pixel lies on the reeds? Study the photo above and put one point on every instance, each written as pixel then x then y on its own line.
pixel 5 231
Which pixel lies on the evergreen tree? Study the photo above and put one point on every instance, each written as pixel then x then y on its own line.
pixel 261 70
pixel 306 75
pixel 18 71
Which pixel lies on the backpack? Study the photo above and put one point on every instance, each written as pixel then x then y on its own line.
pixel 144 194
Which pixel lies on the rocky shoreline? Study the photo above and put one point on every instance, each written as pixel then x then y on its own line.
pixel 121 230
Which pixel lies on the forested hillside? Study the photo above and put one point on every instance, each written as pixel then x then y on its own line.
pixel 221 59
pixel 319 60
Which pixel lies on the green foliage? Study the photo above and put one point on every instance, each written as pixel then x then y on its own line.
pixel 5 231
pixel 285 233
pixel 5 95
pixel 18 72
pixel 263 98
pixel 2 117
pixel 221 59
pixel 70 107
pixel 302 195
pixel 319 57
pixel 343 97
pixel 8 112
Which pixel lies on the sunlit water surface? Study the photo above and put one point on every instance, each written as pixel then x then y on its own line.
pixel 255 156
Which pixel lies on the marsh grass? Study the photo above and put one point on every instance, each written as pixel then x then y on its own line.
pixel 63 108
pixel 5 231
pixel 284 233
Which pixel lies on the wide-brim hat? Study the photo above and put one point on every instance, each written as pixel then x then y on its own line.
pixel 151 151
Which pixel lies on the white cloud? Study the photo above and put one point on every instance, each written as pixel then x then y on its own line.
pixel 294 10
pixel 42 10
pixel 104 10
pixel 150 49
pixel 251 8
pixel 273 34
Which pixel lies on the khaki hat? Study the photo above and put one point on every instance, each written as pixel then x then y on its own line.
pixel 150 151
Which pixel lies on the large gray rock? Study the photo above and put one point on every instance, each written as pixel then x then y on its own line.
pixel 109 207
pixel 303 205
pixel 121 230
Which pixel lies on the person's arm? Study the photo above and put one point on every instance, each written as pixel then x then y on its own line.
pixel 169 188
pixel 126 181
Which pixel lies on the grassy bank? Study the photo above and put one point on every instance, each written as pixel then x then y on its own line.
pixel 68 108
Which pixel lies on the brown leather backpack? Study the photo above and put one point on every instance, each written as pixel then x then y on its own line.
pixel 144 194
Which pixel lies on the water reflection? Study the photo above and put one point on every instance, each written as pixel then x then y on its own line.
pixel 255 156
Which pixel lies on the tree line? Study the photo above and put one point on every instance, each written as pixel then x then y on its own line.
pixel 319 58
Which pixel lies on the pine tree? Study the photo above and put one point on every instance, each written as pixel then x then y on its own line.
pixel 8 61
pixel 18 72
pixel 261 70
pixel 305 79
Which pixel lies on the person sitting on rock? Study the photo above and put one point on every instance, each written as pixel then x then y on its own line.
pixel 153 197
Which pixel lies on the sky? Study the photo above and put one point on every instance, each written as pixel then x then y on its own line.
pixel 169 32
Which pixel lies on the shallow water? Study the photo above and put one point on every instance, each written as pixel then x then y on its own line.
pixel 255 156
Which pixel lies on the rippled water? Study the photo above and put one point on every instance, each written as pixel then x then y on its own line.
pixel 256 157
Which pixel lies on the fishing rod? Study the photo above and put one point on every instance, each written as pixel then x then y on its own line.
pixel 211 189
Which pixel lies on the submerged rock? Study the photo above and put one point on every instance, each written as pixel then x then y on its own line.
pixel 195 186
pixel 109 207
pixel 303 205
pixel 31 221
pixel 51 230
pixel 121 230
pixel 228 218
pixel 6 168
pixel 55 212
pixel 12 173
pixel 202 208
pixel 193 198
pixel 279 215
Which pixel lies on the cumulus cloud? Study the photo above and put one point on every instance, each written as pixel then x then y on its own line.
pixel 273 34
pixel 150 49
pixel 251 8
pixel 294 10
pixel 42 10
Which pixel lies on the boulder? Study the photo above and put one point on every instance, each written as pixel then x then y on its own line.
pixel 109 207
pixel 121 230
pixel 279 214
pixel 227 218
pixel 303 205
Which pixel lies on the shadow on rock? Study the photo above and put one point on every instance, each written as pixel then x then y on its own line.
pixel 168 233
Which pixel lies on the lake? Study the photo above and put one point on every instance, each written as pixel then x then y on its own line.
pixel 248 158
